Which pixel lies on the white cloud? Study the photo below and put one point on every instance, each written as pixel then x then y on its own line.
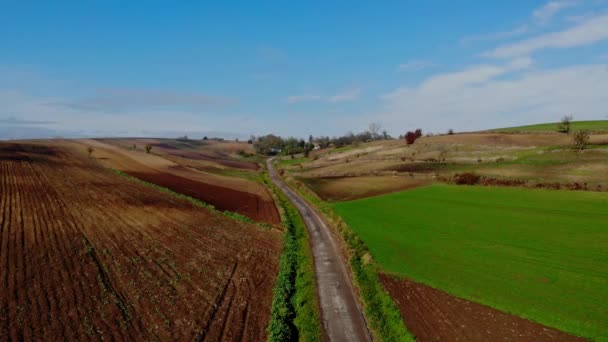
pixel 344 96
pixel 591 31
pixel 517 31
pixel 474 75
pixel 302 98
pixel 544 14
pixel 416 65
pixel 479 98
pixel 118 99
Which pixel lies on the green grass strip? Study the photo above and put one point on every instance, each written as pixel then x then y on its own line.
pixel 382 313
pixel 295 309
pixel 192 200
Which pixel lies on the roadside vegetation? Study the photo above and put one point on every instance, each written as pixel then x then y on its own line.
pixel 381 312
pixel 538 254
pixel 295 309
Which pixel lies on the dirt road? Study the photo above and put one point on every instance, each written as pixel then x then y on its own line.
pixel 342 318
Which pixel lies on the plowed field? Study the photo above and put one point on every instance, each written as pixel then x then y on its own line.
pixel 86 254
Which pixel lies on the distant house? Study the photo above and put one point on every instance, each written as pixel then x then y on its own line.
pixel 317 147
pixel 273 150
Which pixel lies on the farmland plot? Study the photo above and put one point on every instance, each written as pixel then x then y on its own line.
pixel 86 254
pixel 539 254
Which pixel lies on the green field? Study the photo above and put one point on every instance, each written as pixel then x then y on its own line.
pixel 598 125
pixel 540 254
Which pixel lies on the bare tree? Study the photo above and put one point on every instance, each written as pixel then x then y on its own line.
pixel 581 139
pixel 374 129
pixel 564 125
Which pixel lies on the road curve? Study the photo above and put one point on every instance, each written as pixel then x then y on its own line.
pixel 342 317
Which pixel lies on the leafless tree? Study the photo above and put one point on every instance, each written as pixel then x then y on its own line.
pixel 374 129
pixel 564 125
pixel 581 139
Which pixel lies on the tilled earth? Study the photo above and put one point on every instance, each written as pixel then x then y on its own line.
pixel 433 315
pixel 88 255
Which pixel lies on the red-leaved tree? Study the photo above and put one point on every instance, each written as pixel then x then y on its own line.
pixel 410 137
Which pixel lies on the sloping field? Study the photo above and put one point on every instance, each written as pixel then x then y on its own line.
pixel 221 153
pixel 349 188
pixel 597 125
pixel 89 255
pixel 539 254
pixel 225 193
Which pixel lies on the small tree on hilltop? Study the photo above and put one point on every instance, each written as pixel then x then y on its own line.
pixel 148 148
pixel 418 133
pixel 450 131
pixel 564 125
pixel 581 139
pixel 410 137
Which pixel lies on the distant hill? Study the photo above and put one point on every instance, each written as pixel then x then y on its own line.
pixel 597 125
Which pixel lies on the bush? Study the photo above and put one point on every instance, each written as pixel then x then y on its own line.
pixel 564 125
pixel 581 139
pixel 148 148
pixel 418 133
pixel 467 178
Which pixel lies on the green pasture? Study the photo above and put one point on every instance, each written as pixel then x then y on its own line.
pixel 539 254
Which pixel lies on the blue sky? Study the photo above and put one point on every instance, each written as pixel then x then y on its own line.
pixel 298 68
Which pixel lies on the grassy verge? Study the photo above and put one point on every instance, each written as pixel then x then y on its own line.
pixel 382 313
pixel 287 162
pixel 295 310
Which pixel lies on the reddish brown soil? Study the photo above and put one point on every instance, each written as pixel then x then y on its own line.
pixel 433 315
pixel 244 165
pixel 241 202
pixel 88 255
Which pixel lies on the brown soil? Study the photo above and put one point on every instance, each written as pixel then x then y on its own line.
pixel 433 315
pixel 244 165
pixel 225 193
pixel 89 255
pixel 351 188
pixel 222 198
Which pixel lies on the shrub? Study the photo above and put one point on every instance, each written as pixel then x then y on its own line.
pixel 90 150
pixel 564 125
pixel 467 178
pixel 148 148
pixel 581 139
pixel 450 131
pixel 418 133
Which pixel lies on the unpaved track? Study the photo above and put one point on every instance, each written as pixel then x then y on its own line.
pixel 342 318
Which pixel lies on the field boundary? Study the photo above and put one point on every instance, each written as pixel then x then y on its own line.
pixel 383 315
pixel 295 307
pixel 230 214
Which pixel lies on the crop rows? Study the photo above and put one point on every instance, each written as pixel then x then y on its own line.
pixel 86 254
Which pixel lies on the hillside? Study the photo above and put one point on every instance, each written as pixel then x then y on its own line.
pixel 595 126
